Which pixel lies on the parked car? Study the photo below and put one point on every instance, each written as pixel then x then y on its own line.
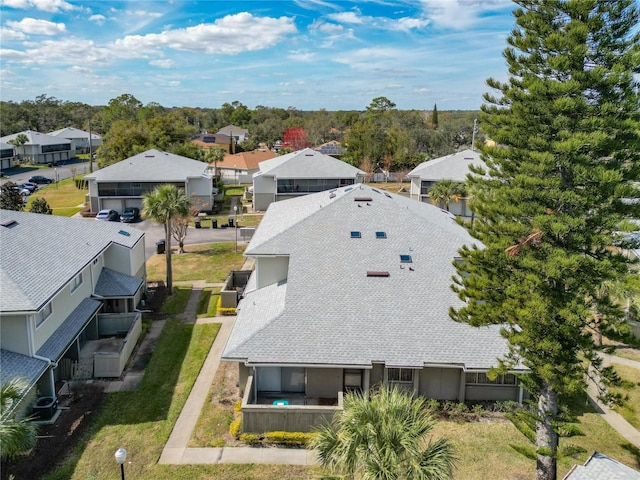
pixel 25 192
pixel 130 214
pixel 40 180
pixel 109 215
pixel 32 187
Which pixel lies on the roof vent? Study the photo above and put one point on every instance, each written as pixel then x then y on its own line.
pixel 362 199
pixel 9 223
pixel 347 189
pixel 332 195
pixel 308 154
pixel 468 158
pixel 374 273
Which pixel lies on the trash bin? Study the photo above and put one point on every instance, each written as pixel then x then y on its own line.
pixel 231 221
pixel 160 246
pixel 45 408
pixel 214 223
pixel 197 223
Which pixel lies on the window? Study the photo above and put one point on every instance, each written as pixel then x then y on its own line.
pixel 352 379
pixel 76 282
pixel 481 378
pixel 43 314
pixel 355 234
pixel 381 235
pixel 400 375
pixel 405 259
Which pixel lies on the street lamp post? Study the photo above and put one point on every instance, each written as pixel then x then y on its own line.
pixel 235 224
pixel 121 456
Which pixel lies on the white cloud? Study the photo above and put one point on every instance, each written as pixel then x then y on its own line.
pixel 393 86
pixel 79 69
pixel 7 35
pixel 408 23
pixel 421 90
pixel 53 6
pixel 99 19
pixel 328 28
pixel 458 14
pixel 353 17
pixel 37 27
pixel 162 63
pixel 301 55
pixel 144 13
pixel 229 35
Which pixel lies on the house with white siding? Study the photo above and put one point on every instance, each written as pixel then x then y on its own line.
pixel 70 293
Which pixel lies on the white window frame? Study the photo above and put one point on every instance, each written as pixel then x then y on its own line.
pixel 76 282
pixel 44 313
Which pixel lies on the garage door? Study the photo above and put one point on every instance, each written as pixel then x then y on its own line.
pixel 111 204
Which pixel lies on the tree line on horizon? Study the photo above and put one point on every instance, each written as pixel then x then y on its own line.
pixel 379 136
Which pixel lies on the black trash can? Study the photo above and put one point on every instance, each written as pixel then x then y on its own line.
pixel 197 223
pixel 160 246
pixel 231 221
pixel 214 223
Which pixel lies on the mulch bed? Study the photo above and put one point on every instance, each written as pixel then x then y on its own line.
pixel 57 440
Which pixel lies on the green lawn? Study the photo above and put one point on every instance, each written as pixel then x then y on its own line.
pixel 208 304
pixel 630 409
pixel 63 197
pixel 210 262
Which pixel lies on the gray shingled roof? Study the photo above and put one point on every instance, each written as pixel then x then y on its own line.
pixel 65 334
pixel 36 138
pixel 331 312
pixel 600 467
pixel 73 133
pixel 152 166
pixel 116 284
pixel 308 163
pixel 14 365
pixel 41 253
pixel 454 167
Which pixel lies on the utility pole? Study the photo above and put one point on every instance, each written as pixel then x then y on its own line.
pixel 90 150
pixel 473 135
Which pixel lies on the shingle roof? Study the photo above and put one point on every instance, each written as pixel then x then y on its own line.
pixel 65 334
pixel 36 138
pixel 14 365
pixel 73 133
pixel 245 160
pixel 152 166
pixel 308 163
pixel 454 166
pixel 42 253
pixel 116 284
pixel 600 467
pixel 333 313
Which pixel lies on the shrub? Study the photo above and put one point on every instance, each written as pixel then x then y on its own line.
pixel 237 407
pixel 290 439
pixel 234 428
pixel 250 438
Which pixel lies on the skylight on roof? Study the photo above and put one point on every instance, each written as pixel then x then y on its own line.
pixel 356 234
pixel 405 259
pixel 125 233
pixel 381 234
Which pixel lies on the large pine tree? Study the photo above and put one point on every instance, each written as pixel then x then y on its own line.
pixel 566 123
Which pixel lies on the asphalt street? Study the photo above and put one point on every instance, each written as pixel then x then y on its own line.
pixel 153 232
pixel 63 170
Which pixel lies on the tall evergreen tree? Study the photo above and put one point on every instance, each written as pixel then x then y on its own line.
pixel 434 117
pixel 566 124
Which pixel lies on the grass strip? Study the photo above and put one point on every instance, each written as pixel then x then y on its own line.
pixel 177 302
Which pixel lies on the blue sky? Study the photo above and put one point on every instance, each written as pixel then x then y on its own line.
pixel 307 54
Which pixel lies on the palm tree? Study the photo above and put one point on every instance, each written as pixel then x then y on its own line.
pixel 215 155
pixel 446 191
pixel 16 436
pixel 383 436
pixel 161 205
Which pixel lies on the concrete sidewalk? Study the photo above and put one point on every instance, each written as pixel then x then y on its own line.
pixel 613 418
